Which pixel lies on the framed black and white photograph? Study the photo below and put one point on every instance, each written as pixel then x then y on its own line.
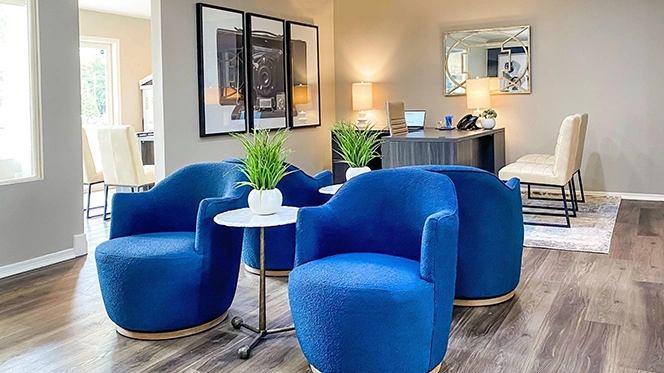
pixel 303 69
pixel 268 96
pixel 221 75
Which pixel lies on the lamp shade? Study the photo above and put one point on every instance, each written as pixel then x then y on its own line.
pixel 362 96
pixel 301 94
pixel 477 93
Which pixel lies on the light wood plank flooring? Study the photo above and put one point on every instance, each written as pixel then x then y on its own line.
pixel 573 312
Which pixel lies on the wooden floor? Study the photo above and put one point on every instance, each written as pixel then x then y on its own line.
pixel 574 312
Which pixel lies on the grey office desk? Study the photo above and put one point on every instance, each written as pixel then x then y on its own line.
pixel 483 149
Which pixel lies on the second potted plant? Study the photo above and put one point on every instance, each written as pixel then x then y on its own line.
pixel 489 119
pixel 264 166
pixel 357 146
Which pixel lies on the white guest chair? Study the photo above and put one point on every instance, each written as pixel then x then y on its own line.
pixel 558 174
pixel 91 175
pixel 550 158
pixel 121 159
pixel 396 118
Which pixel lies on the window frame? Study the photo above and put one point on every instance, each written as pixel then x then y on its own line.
pixel 35 93
pixel 113 75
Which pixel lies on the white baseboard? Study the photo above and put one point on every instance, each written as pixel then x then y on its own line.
pixel 80 244
pixel 630 196
pixel 42 261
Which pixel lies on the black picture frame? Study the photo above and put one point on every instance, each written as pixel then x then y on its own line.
pixel 268 77
pixel 223 107
pixel 302 77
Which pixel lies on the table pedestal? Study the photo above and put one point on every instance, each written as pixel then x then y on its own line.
pixel 245 351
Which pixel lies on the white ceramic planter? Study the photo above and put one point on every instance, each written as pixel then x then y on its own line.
pixel 488 124
pixel 265 202
pixel 354 171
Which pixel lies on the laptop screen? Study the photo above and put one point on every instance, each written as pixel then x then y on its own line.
pixel 415 118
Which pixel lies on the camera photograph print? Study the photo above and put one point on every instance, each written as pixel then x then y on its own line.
pixel 221 76
pixel 267 73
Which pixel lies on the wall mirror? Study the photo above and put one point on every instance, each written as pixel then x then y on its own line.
pixel 502 54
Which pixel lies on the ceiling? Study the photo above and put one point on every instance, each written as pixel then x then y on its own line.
pixel 133 8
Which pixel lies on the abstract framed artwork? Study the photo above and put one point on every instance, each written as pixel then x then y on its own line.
pixel 221 70
pixel 304 75
pixel 268 94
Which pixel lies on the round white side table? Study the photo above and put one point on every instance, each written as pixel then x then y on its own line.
pixel 331 189
pixel 244 218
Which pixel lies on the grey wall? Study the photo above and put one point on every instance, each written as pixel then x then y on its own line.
pixel 597 56
pixel 176 85
pixel 41 217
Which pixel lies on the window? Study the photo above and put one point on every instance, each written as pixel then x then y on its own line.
pixel 20 122
pixel 99 87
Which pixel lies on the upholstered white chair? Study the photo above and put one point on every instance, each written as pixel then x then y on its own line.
pixel 550 158
pixel 557 174
pixel 396 118
pixel 91 174
pixel 121 159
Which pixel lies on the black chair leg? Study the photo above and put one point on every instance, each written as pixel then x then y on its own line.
pixel 569 225
pixel 529 197
pixel 575 199
pixel 583 194
pixel 105 201
pixel 87 210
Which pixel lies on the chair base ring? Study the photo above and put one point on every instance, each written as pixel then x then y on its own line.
pixel 484 302
pixel 160 336
pixel 435 370
pixel 268 273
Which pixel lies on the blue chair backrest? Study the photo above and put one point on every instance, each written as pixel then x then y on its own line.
pixel 188 186
pixel 388 208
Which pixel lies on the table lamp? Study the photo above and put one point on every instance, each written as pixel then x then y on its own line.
pixel 301 97
pixel 362 100
pixel 478 96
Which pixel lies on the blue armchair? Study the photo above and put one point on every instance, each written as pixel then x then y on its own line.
pixel 168 270
pixel 299 190
pixel 490 235
pixel 373 283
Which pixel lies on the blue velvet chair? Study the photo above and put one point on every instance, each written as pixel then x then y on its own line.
pixel 168 270
pixel 373 284
pixel 299 190
pixel 490 235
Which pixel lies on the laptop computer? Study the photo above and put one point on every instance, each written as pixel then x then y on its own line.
pixel 415 119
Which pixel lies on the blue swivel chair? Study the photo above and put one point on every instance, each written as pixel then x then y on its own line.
pixel 373 284
pixel 490 235
pixel 298 190
pixel 168 270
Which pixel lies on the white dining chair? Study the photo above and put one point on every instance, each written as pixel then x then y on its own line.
pixel 91 174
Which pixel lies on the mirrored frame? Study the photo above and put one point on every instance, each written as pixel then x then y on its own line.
pixel 499 53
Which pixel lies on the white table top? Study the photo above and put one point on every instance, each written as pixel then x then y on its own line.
pixel 244 218
pixel 331 189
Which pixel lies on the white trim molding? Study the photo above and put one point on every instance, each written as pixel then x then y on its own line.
pixel 630 196
pixel 80 244
pixel 31 264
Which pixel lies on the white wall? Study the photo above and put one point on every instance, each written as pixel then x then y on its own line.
pixel 595 56
pixel 135 56
pixel 41 217
pixel 176 84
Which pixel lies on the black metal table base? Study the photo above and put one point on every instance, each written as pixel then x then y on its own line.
pixel 245 350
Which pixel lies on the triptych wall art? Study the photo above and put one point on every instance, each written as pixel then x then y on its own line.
pixel 255 71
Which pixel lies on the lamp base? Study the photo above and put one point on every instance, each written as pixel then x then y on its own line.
pixel 362 118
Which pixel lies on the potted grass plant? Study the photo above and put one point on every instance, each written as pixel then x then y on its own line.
pixel 357 146
pixel 489 118
pixel 264 166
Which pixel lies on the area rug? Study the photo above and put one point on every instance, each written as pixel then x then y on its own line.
pixel 591 231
